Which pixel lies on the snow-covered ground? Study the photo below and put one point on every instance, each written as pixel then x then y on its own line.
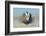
pixel 17 22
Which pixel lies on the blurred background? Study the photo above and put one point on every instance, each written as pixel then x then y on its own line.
pixel 20 11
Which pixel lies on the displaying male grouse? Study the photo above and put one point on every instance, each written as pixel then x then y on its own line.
pixel 28 18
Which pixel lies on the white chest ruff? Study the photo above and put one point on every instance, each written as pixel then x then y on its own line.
pixel 27 18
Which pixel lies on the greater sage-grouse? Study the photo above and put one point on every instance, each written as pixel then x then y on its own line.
pixel 27 18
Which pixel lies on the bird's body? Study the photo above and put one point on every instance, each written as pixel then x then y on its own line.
pixel 27 17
